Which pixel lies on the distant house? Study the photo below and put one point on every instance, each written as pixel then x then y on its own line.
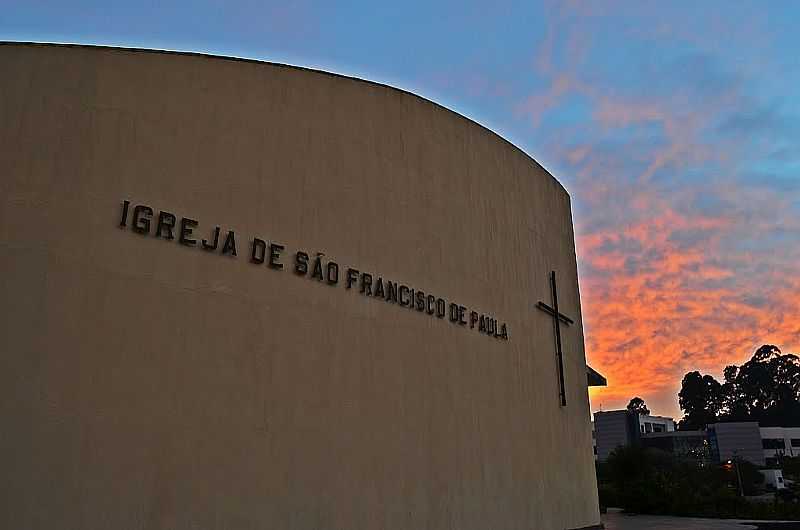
pixel 719 442
pixel 616 428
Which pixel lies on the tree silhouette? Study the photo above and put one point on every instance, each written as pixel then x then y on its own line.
pixel 638 406
pixel 765 389
pixel 700 399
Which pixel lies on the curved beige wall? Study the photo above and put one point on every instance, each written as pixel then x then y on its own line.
pixel 150 384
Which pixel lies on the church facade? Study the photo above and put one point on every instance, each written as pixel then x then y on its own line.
pixel 247 295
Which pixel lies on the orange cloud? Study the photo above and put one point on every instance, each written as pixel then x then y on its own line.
pixel 687 260
pixel 646 327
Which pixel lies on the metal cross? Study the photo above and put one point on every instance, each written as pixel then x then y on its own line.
pixel 558 318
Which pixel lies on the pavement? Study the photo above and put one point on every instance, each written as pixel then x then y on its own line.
pixel 616 520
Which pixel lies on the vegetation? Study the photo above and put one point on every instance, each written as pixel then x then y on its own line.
pixel 765 389
pixel 652 481
pixel 638 406
pixel 791 468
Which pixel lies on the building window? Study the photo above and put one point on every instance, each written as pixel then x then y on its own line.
pixel 772 462
pixel 648 427
pixel 773 443
pixel 795 442
pixel 658 428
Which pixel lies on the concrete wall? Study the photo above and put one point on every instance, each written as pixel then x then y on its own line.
pixel 149 384
pixel 612 429
pixel 742 439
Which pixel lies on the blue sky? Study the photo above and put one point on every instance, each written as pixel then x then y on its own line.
pixel 674 126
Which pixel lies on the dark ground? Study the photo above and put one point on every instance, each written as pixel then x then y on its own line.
pixel 616 520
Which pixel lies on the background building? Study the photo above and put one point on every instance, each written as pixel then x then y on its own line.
pixel 737 440
pixel 686 444
pixel 720 442
pixel 616 428
pixel 778 442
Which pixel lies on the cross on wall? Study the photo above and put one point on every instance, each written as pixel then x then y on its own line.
pixel 558 319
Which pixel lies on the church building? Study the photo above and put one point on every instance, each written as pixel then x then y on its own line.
pixel 244 295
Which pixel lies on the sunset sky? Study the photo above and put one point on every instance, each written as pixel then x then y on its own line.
pixel 675 126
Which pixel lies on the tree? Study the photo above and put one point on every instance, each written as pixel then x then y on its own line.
pixel 700 399
pixel 733 402
pixel 638 406
pixel 765 389
pixel 791 467
pixel 652 481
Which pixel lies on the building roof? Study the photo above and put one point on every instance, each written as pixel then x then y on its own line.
pixel 594 378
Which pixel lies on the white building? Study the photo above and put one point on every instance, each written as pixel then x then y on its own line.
pixel 650 424
pixel 617 428
pixel 763 446
pixel 778 442
pixel 773 478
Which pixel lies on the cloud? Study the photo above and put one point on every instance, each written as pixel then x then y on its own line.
pixel 688 242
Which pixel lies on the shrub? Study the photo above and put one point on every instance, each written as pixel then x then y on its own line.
pixel 652 481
